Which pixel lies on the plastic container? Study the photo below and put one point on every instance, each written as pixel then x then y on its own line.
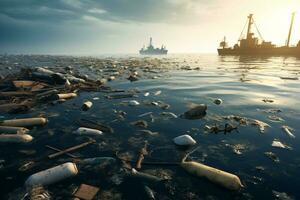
pixel 24 122
pixel 13 130
pixel 87 105
pixel 88 131
pixel 15 138
pixel 52 175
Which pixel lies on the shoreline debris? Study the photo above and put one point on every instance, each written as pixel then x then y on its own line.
pixel 288 130
pixel 184 140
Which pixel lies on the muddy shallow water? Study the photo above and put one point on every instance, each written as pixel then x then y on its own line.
pixel 253 88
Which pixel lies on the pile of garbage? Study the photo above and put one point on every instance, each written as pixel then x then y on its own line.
pixel 32 87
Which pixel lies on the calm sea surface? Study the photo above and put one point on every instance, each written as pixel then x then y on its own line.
pixel 241 82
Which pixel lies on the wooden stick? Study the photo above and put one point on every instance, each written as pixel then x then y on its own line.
pixel 55 149
pixel 141 157
pixel 70 149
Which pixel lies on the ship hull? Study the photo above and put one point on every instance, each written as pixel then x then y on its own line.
pixel 161 52
pixel 279 51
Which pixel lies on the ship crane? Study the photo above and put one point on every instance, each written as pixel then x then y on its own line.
pixel 290 31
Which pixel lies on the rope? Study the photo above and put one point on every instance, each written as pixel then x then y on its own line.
pixel 258 32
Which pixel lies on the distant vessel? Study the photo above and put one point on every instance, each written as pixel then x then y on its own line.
pixel 251 46
pixel 150 50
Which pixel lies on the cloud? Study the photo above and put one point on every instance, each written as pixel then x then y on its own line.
pixel 166 11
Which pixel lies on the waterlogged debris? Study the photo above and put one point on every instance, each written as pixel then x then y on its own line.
pixel 68 150
pixel 86 105
pixel 228 128
pixel 267 100
pixel 273 156
pixel 222 178
pixel 197 111
pixel 98 161
pixel 272 110
pixel 238 148
pixel 154 103
pixel 281 195
pixel 145 176
pixel 288 130
pixel 13 130
pixel 157 93
pixel 218 101
pixel 289 78
pixel 95 125
pixel 278 144
pixel 169 114
pixel 149 193
pixel 120 96
pixel 163 105
pixel 64 96
pixel 86 192
pixel 148 132
pixel 52 175
pixel 140 123
pixel 37 192
pixel 96 98
pixel 275 118
pixel 88 131
pixel 133 78
pixel 111 78
pixel 15 138
pixel 133 103
pixel 28 122
pixel 184 140
pixel 261 125
pixel 146 94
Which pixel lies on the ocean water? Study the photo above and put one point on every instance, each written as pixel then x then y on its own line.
pixel 241 82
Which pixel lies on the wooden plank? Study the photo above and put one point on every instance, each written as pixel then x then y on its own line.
pixel 71 149
pixel 86 192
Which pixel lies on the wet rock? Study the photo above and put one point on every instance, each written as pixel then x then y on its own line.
pixel 184 140
pixel 133 78
pixel 196 112
pixel 140 123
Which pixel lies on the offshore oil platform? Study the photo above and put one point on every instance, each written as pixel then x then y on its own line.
pixel 251 45
pixel 150 50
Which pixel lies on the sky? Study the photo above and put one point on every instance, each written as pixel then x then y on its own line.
pixel 91 27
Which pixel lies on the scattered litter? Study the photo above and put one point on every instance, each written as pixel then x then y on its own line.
pixel 133 103
pixel 24 122
pixel 218 101
pixel 140 123
pixel 278 144
pixel 146 94
pixel 86 105
pixel 86 192
pixel 157 93
pixel 266 100
pixel 288 130
pixel 88 131
pixel 281 195
pixel 52 175
pixel 169 114
pixel 275 118
pixel 273 156
pixel 15 138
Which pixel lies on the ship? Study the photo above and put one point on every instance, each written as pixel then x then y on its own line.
pixel 150 50
pixel 251 45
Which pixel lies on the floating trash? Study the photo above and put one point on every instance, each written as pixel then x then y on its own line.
pixel 218 101
pixel 133 103
pixel 88 131
pixel 273 156
pixel 52 175
pixel 278 144
pixel 288 130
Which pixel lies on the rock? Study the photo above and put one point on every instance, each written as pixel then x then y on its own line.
pixel 133 103
pixel 184 140
pixel 196 112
